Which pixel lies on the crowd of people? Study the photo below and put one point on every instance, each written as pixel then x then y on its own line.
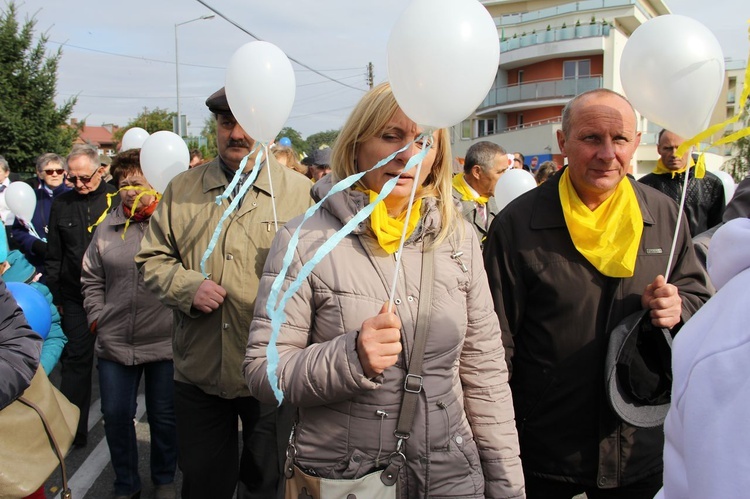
pixel 486 370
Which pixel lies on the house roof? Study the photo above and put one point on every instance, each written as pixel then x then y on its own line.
pixel 96 135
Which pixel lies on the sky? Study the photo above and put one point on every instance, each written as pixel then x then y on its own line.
pixel 119 57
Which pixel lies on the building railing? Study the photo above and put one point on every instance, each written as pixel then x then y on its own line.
pixel 555 35
pixel 547 89
pixel 530 124
pixel 568 8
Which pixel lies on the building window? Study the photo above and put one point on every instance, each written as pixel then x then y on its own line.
pixel 466 129
pixel 520 120
pixel 520 76
pixel 485 127
pixel 576 69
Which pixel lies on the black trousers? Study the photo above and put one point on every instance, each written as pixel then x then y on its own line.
pixel 76 362
pixel 539 488
pixel 208 455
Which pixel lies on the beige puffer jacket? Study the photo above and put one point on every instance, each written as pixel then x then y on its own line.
pixel 463 442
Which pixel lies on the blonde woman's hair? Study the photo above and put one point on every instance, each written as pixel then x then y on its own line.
pixel 368 120
pixel 289 159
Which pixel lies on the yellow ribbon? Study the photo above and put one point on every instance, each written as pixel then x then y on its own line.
pixel 700 167
pixel 459 183
pixel 387 229
pixel 145 190
pixel 609 236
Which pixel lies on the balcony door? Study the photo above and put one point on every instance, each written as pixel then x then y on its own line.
pixel 572 70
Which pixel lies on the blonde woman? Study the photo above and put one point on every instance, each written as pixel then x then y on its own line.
pixel 343 357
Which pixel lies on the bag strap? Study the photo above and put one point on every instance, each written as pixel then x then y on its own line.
pixel 65 493
pixel 413 380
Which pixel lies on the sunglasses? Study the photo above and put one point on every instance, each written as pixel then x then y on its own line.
pixel 84 180
pixel 56 171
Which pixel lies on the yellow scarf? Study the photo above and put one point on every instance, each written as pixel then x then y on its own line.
pixel 388 230
pixel 609 236
pixel 459 183
pixel 700 168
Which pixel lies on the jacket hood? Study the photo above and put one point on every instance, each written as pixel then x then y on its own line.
pixel 346 204
pixel 20 269
pixel 728 252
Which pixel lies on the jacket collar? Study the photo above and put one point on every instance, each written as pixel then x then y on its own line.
pixel 547 210
pixel 214 177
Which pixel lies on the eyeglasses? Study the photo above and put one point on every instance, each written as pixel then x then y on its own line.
pixel 84 180
pixel 56 171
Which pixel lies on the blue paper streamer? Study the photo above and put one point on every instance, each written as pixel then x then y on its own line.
pixel 277 315
pixel 249 181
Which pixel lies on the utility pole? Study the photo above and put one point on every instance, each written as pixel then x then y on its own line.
pixel 370 76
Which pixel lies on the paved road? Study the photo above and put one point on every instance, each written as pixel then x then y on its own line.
pixel 90 473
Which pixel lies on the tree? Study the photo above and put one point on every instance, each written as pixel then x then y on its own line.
pixel 31 123
pixel 151 121
pixel 298 143
pixel 739 166
pixel 209 132
pixel 316 140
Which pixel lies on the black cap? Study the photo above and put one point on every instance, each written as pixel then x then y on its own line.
pixel 218 103
pixel 638 371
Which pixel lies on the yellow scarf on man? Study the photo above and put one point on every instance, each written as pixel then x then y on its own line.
pixel 700 168
pixel 459 183
pixel 609 236
pixel 388 230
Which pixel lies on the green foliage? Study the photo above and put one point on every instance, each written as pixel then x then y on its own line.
pixel 316 140
pixel 31 123
pixel 209 132
pixel 298 143
pixel 739 166
pixel 151 121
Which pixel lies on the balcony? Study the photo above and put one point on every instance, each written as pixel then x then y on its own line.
pixel 555 35
pixel 583 8
pixel 539 91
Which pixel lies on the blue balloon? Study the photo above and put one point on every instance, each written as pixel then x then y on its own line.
pixel 34 305
pixel 285 141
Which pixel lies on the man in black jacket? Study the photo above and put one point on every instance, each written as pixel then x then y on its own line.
pixel 72 215
pixel 704 200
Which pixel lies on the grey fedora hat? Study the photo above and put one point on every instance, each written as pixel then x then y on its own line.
pixel 638 371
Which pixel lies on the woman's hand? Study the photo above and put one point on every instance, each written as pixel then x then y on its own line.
pixel 379 342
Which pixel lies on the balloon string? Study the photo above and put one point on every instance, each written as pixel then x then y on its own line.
pixel 273 197
pixel 426 144
pixel 679 217
pixel 249 181
pixel 275 305
pixel 31 229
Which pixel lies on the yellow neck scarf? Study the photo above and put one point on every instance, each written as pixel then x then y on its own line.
pixel 700 168
pixel 459 183
pixel 388 230
pixel 609 236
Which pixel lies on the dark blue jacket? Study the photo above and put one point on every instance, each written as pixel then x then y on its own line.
pixel 40 222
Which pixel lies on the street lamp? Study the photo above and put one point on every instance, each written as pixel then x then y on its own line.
pixel 177 67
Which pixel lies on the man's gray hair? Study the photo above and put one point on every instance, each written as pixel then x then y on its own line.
pixel 483 154
pixel 50 157
pixel 4 164
pixel 568 109
pixel 85 150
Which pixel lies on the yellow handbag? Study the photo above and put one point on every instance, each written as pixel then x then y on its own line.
pixel 36 431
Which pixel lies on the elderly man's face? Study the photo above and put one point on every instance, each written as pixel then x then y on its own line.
pixel 232 142
pixel 667 148
pixel 84 175
pixel 599 145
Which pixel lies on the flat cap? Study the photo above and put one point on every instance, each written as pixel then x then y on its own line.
pixel 105 160
pixel 218 103
pixel 322 157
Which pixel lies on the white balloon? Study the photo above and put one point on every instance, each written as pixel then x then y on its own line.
pixel 260 87
pixel 163 155
pixel 728 182
pixel 20 198
pixel 512 184
pixel 672 71
pixel 133 139
pixel 443 56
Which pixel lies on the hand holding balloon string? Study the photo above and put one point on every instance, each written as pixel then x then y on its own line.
pixel 379 342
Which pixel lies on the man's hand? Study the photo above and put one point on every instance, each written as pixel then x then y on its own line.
pixel 208 297
pixel 379 342
pixel 664 302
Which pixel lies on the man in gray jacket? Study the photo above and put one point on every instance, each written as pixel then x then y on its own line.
pixel 212 311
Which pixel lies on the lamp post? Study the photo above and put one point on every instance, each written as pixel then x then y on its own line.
pixel 177 67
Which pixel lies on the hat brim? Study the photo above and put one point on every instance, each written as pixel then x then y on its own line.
pixel 627 409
